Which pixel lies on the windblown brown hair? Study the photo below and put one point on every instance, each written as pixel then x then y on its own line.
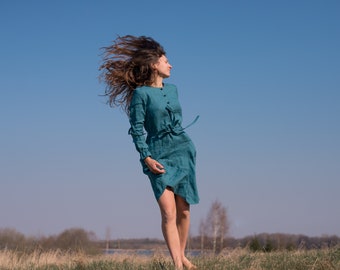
pixel 127 65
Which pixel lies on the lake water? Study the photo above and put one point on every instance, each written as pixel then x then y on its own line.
pixel 147 252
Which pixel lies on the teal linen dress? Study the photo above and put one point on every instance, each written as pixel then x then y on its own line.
pixel 158 112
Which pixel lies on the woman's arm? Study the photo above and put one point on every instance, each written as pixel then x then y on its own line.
pixel 137 118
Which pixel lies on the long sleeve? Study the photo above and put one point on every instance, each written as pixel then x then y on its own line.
pixel 137 118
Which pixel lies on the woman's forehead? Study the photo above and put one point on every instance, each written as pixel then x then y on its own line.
pixel 163 57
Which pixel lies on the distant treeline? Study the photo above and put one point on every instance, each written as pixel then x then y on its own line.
pixel 77 239
pixel 271 242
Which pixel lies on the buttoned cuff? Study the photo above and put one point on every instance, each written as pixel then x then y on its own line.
pixel 144 154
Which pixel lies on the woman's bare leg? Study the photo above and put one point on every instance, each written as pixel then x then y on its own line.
pixel 167 205
pixel 183 226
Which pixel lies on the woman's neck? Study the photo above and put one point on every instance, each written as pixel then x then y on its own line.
pixel 158 82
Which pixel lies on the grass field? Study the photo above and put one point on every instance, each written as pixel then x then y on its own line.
pixel 235 259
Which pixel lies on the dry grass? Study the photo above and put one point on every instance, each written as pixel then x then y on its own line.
pixel 237 259
pixel 36 259
pixel 12 260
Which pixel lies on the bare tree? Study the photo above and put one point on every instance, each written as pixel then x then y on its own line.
pixel 75 239
pixel 203 230
pixel 217 223
pixel 11 239
pixel 224 229
pixel 108 238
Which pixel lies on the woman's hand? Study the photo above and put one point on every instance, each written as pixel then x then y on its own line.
pixel 154 166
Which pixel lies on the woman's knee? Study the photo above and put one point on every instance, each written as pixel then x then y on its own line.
pixel 169 214
pixel 183 214
pixel 167 206
pixel 183 208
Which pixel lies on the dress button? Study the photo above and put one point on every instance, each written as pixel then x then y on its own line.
pixel 168 102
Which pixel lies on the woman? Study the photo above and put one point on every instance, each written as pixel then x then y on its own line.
pixel 134 69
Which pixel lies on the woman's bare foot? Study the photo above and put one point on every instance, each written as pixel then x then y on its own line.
pixel 188 265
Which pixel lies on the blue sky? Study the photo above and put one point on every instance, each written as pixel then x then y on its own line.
pixel 262 75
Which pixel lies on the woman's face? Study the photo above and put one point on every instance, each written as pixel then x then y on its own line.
pixel 163 67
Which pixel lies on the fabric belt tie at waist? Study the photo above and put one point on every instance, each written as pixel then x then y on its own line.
pixel 170 129
pixel 174 129
pixel 193 122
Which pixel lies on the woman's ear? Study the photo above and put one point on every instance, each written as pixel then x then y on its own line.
pixel 154 66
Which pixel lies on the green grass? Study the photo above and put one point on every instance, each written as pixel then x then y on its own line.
pixel 238 259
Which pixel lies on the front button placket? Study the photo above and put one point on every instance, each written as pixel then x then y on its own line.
pixel 164 95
